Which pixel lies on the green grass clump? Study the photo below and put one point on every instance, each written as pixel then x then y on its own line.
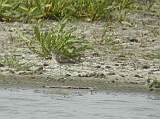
pixel 27 10
pixel 13 62
pixel 88 10
pixel 153 83
pixel 8 9
pixel 56 38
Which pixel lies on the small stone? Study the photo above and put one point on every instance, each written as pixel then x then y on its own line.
pixel 133 40
pixel 113 81
pixel 123 64
pixel 39 70
pixel 100 75
pixel 108 67
pixel 45 64
pixel 145 66
pixel 67 75
pixel 111 73
pixel 98 66
pixel 116 65
pixel 79 75
pixel 1 65
pixel 124 28
pixel 95 54
pixel 133 83
pixel 138 76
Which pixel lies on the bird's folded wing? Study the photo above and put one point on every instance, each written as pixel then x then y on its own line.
pixel 64 59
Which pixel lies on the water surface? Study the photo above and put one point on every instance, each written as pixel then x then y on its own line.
pixel 76 104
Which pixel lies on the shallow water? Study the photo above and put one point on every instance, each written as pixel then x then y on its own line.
pixel 76 104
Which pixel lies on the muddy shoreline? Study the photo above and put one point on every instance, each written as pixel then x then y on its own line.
pixel 93 84
pixel 128 60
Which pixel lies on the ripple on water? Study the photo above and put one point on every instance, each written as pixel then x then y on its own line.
pixel 62 104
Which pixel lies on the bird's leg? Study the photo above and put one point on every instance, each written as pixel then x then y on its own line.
pixel 60 70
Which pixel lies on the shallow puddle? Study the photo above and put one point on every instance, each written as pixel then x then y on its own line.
pixel 76 104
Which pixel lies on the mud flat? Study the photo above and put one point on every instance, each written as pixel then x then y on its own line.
pixel 129 60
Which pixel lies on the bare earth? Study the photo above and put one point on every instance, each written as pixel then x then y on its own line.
pixel 129 61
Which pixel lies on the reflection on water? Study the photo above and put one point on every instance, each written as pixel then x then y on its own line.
pixel 76 104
